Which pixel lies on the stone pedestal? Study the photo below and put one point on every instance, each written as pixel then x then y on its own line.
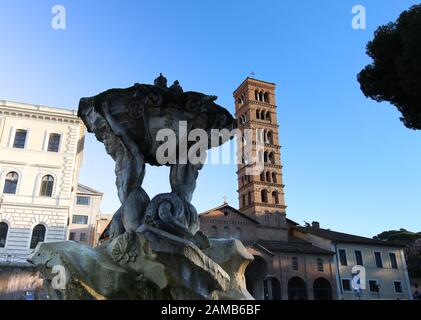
pixel 146 264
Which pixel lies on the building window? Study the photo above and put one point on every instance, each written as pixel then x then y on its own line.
pixel 373 286
pixel 319 265
pixel 238 233
pixel 4 228
pixel 47 184
pixel 269 137
pixel 294 262
pixel 82 236
pixel 378 258
pixel 38 235
pixel 226 232
pixel 266 97
pixel 398 286
pixel 346 285
pixel 342 257
pixel 83 201
pixel 78 219
pixel 275 197
pixel 72 236
pixel 11 183
pixel 54 142
pixel 274 180
pixel 393 261
pixel 20 139
pixel 264 196
pixel 359 258
pixel 214 231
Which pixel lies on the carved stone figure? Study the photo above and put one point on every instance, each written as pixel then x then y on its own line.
pixel 155 250
pixel 128 122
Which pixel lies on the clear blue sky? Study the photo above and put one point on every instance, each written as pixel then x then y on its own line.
pixel 348 161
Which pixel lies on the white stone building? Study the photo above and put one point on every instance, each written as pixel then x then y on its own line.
pixel 86 215
pixel 41 151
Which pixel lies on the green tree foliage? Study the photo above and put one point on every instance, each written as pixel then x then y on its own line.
pixel 395 74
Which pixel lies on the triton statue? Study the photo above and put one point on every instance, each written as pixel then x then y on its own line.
pixel 155 250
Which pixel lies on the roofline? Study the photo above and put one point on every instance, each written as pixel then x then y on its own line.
pixel 374 241
pixel 321 251
pixel 253 79
pixel 39 108
pixel 293 222
pixel 89 188
pixel 227 205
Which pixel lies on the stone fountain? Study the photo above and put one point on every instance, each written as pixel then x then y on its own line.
pixel 155 249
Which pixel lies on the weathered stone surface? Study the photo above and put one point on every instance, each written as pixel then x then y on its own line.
pixel 155 250
pixel 186 264
pixel 148 264
pixel 233 257
pixel 89 273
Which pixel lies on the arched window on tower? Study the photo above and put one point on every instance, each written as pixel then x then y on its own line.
pixel 274 179
pixel 264 196
pixel 262 176
pixel 268 176
pixel 257 114
pixel 272 158
pixel 4 228
pixel 266 97
pixel 269 137
pixel 275 197
pixel 38 235
pixel 266 157
pixel 256 95
pixel 11 183
pixel 249 197
pixel 244 200
pixel 268 116
pixel 261 96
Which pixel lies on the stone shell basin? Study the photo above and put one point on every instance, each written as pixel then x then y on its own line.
pixel 143 110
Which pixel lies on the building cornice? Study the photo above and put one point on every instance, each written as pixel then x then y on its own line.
pixel 259 103
pixel 256 83
pixel 34 205
pixel 37 165
pixel 264 205
pixel 262 183
pixel 23 110
pixel 266 165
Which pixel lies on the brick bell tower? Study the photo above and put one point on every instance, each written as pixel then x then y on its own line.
pixel 261 193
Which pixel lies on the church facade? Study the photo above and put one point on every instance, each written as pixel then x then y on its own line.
pixel 292 262
pixel 285 267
